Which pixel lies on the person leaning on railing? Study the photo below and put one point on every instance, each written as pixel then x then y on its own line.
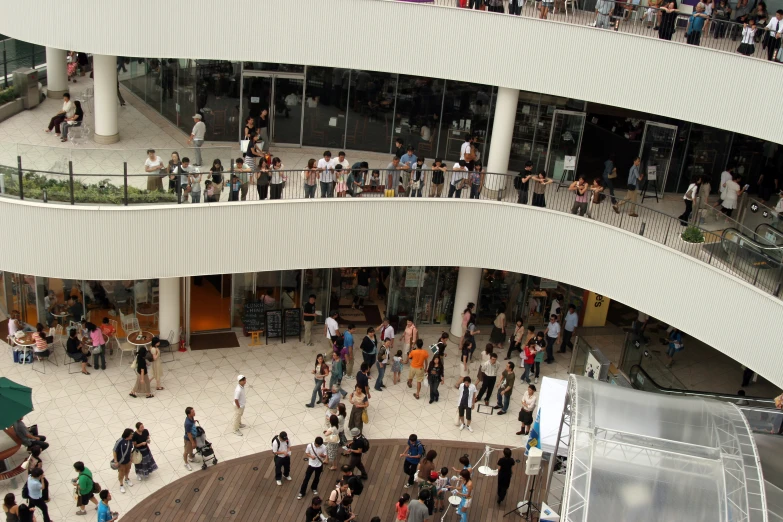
pixel 438 177
pixel 154 165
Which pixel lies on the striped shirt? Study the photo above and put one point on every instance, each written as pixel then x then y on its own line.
pixel 490 369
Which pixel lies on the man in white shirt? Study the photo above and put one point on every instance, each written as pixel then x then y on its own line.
pixel 326 175
pixel 552 336
pixel 331 328
pixel 387 332
pixel 724 177
pixel 569 325
pixel 197 138
pixel 239 404
pixel 342 161
pixel 465 148
pixel 458 177
pixel 466 399
pixel 393 176
pixel 281 448
pixel 775 28
pixel 316 458
pixel 68 110
pixel 554 308
pixel 153 164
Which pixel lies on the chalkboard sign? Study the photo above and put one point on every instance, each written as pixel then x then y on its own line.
pixel 274 324
pixel 253 317
pixel 292 320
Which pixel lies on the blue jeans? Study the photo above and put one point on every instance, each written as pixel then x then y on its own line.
pixel 317 391
pixel 503 401
pixel 526 375
pixel 327 189
pixel 309 191
pixel 379 379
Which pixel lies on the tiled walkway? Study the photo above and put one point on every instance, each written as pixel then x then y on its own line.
pixel 83 416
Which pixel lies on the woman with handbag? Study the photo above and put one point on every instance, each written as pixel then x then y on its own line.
pixel 596 189
pixel 332 439
pixel 142 456
pixel 174 165
pixel 98 346
pixel 142 384
pixel 320 372
pixel 359 404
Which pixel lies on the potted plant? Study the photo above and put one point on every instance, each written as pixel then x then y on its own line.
pixel 692 234
pixel 10 103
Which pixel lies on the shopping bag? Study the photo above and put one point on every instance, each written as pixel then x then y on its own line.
pixel 243 145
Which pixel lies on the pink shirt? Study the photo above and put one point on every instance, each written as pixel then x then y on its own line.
pixel 97 337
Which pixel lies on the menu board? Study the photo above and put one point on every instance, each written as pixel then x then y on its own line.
pixel 274 324
pixel 253 316
pixel 292 323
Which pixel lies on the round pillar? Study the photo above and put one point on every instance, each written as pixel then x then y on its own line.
pixel 105 74
pixel 468 286
pixel 168 307
pixel 56 72
pixel 502 132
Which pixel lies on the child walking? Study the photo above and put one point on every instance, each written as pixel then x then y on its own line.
pixel 443 489
pixel 402 507
pixel 397 367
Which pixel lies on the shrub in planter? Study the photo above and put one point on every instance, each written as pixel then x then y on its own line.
pixel 7 95
pixel 692 235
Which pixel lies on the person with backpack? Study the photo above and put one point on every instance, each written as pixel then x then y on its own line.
pixel 413 456
pixel 316 458
pixel 354 482
pixel 122 457
pixel 34 492
pixel 341 491
pixel 281 448
pixel 85 487
pixel 358 447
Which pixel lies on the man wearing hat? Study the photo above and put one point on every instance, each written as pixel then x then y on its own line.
pixel 239 404
pixel 356 448
pixel 197 138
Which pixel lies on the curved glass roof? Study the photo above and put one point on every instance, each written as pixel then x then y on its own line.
pixel 648 457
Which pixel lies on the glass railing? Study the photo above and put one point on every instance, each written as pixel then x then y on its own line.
pixel 118 186
pixel 721 32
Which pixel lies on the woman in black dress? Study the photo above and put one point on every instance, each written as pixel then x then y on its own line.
pixel 668 19
pixel 141 442
pixel 142 384
pixel 505 463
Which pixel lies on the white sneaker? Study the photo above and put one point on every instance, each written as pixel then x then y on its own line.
pixel 469 428
pixel 461 427
pixel 288 477
pixel 128 482
pixel 536 381
pixel 279 482
pixel 299 496
pixel 122 489
pixel 238 433
pixel 315 492
pixel 187 467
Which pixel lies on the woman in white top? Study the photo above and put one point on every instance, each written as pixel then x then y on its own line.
pixel 690 195
pixel 748 45
pixel 529 400
pixel 278 178
pixel 252 187
pixel 732 192
pixel 154 165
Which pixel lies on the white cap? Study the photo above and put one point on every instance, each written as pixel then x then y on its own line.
pixel 240 377
pixel 197 116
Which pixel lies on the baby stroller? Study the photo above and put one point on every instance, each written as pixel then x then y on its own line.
pixel 204 447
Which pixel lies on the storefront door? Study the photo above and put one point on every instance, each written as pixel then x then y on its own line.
pixel 565 140
pixel 282 94
pixel 208 301
pixel 656 153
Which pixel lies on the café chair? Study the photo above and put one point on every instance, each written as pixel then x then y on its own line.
pixel 167 345
pixel 125 346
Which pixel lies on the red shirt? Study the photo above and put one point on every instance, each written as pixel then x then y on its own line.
pixel 530 355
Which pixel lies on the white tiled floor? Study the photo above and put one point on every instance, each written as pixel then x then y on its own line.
pixel 82 415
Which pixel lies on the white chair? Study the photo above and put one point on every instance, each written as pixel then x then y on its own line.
pixel 51 358
pixel 129 322
pixel 125 346
pixel 571 3
pixel 80 134
pixel 113 323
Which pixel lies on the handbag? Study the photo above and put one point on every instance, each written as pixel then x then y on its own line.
pixel 612 174
pixel 149 357
pixel 136 457
pixel 365 416
pixel 96 350
pixel 113 465
pixel 96 488
pixel 243 145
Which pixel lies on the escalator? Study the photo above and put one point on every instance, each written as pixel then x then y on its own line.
pixel 766 233
pixel 764 420
pixel 758 258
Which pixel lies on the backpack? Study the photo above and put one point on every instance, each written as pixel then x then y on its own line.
pixel 366 444
pixel 356 485
pixel 276 438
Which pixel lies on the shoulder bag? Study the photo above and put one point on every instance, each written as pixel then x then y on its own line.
pixel 136 457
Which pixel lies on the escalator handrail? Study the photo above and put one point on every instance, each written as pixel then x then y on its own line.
pixel 762 248
pixel 708 395
pixel 777 232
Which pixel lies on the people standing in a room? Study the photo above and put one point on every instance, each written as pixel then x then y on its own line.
pixel 732 192
pixel 310 179
pixel 410 335
pixel 498 335
pixel 173 169
pixel 277 178
pixel 68 110
pixel 341 181
pixel 438 177
pixel 197 138
pixel 263 129
pixel 668 18
pixel 154 165
pixel 540 181
pixel 157 362
pixel 529 400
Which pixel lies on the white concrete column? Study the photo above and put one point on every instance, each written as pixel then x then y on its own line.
pixel 468 286
pixel 105 73
pixel 502 132
pixel 56 72
pixel 168 307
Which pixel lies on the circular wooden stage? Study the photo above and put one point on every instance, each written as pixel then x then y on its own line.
pixel 244 489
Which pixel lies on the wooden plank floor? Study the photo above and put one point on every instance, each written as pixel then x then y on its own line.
pixel 244 489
